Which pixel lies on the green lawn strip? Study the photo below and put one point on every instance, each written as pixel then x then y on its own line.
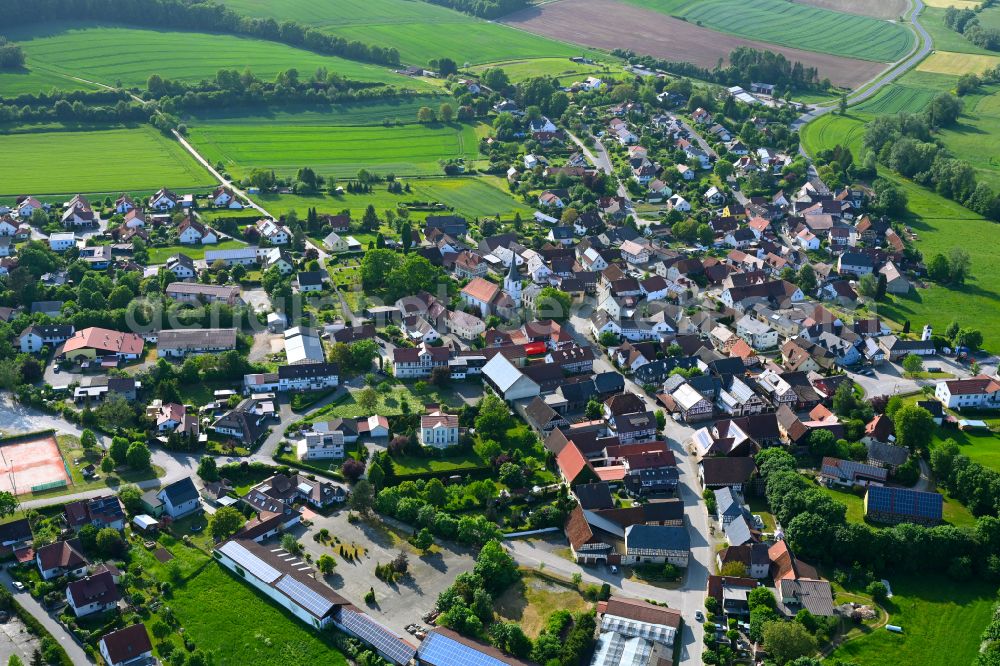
pixel 109 160
pixel 941 620
pixel 93 51
pixel 409 465
pixel 389 404
pixel 159 255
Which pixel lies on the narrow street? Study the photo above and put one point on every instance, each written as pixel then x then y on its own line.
pixel 690 597
pixel 73 649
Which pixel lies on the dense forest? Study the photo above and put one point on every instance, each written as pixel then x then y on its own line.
pixel 204 16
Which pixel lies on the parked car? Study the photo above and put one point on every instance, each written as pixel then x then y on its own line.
pixel 698 615
pixel 18 585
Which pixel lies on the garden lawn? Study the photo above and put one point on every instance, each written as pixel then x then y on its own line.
pixel 941 619
pixel 223 614
pixel 95 51
pixel 334 150
pixel 795 25
pixel 159 255
pixel 421 31
pixel 531 600
pixel 981 447
pixel 95 162
pixel 389 404
pixel 408 465
pixel 954 511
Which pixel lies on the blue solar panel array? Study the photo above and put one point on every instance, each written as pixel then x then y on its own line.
pixel 373 633
pixel 440 650
pixel 902 501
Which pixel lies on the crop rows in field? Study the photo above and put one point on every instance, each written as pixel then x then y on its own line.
pixel 800 26
pixel 95 161
pixel 334 150
pixel 896 98
pixel 419 30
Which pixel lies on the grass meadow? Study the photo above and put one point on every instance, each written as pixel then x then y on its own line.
pixel 398 110
pixel 108 54
pixel 95 161
pixel 332 149
pixel 159 255
pixel 407 27
pixel 563 69
pixel 794 25
pixel 941 620
pixel 214 601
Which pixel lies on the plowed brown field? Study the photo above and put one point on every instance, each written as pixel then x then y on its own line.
pixel 607 24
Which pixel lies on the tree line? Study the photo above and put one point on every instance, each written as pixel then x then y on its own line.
pixel 206 16
pixel 483 8
pixel 905 144
pixel 233 88
pixel 966 23
pixel 745 66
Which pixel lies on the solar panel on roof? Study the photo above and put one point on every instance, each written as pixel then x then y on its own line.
pixel 310 599
pixel 440 650
pixel 256 566
pixel 373 633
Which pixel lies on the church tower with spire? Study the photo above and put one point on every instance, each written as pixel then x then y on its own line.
pixel 512 283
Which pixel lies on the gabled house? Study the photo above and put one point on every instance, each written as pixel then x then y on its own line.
pixel 179 499
pixel 164 200
pixel 61 558
pixel 93 594
pixel 127 647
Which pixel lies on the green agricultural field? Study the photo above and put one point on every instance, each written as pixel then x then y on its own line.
pixel 468 196
pixel 420 31
pixel 213 607
pixel 941 620
pixel 32 80
pixel 334 150
pixel 976 137
pixel 98 161
pixel 98 52
pixel 795 25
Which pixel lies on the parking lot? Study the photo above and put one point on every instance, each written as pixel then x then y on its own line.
pixel 397 604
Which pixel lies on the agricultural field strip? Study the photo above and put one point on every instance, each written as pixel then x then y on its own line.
pixel 110 160
pixel 657 34
pixel 340 150
pixel 406 25
pixel 94 51
pixel 795 25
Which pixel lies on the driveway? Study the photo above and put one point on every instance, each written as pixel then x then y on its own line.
pixel 397 604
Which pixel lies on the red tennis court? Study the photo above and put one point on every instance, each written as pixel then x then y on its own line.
pixel 34 464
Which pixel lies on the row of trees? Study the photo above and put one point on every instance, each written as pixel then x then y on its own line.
pixel 233 88
pixel 904 143
pixel 206 16
pixel 745 66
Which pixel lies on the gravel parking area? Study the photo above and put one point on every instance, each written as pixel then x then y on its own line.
pixel 398 604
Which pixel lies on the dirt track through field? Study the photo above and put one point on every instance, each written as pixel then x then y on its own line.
pixel 609 25
pixel 883 9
